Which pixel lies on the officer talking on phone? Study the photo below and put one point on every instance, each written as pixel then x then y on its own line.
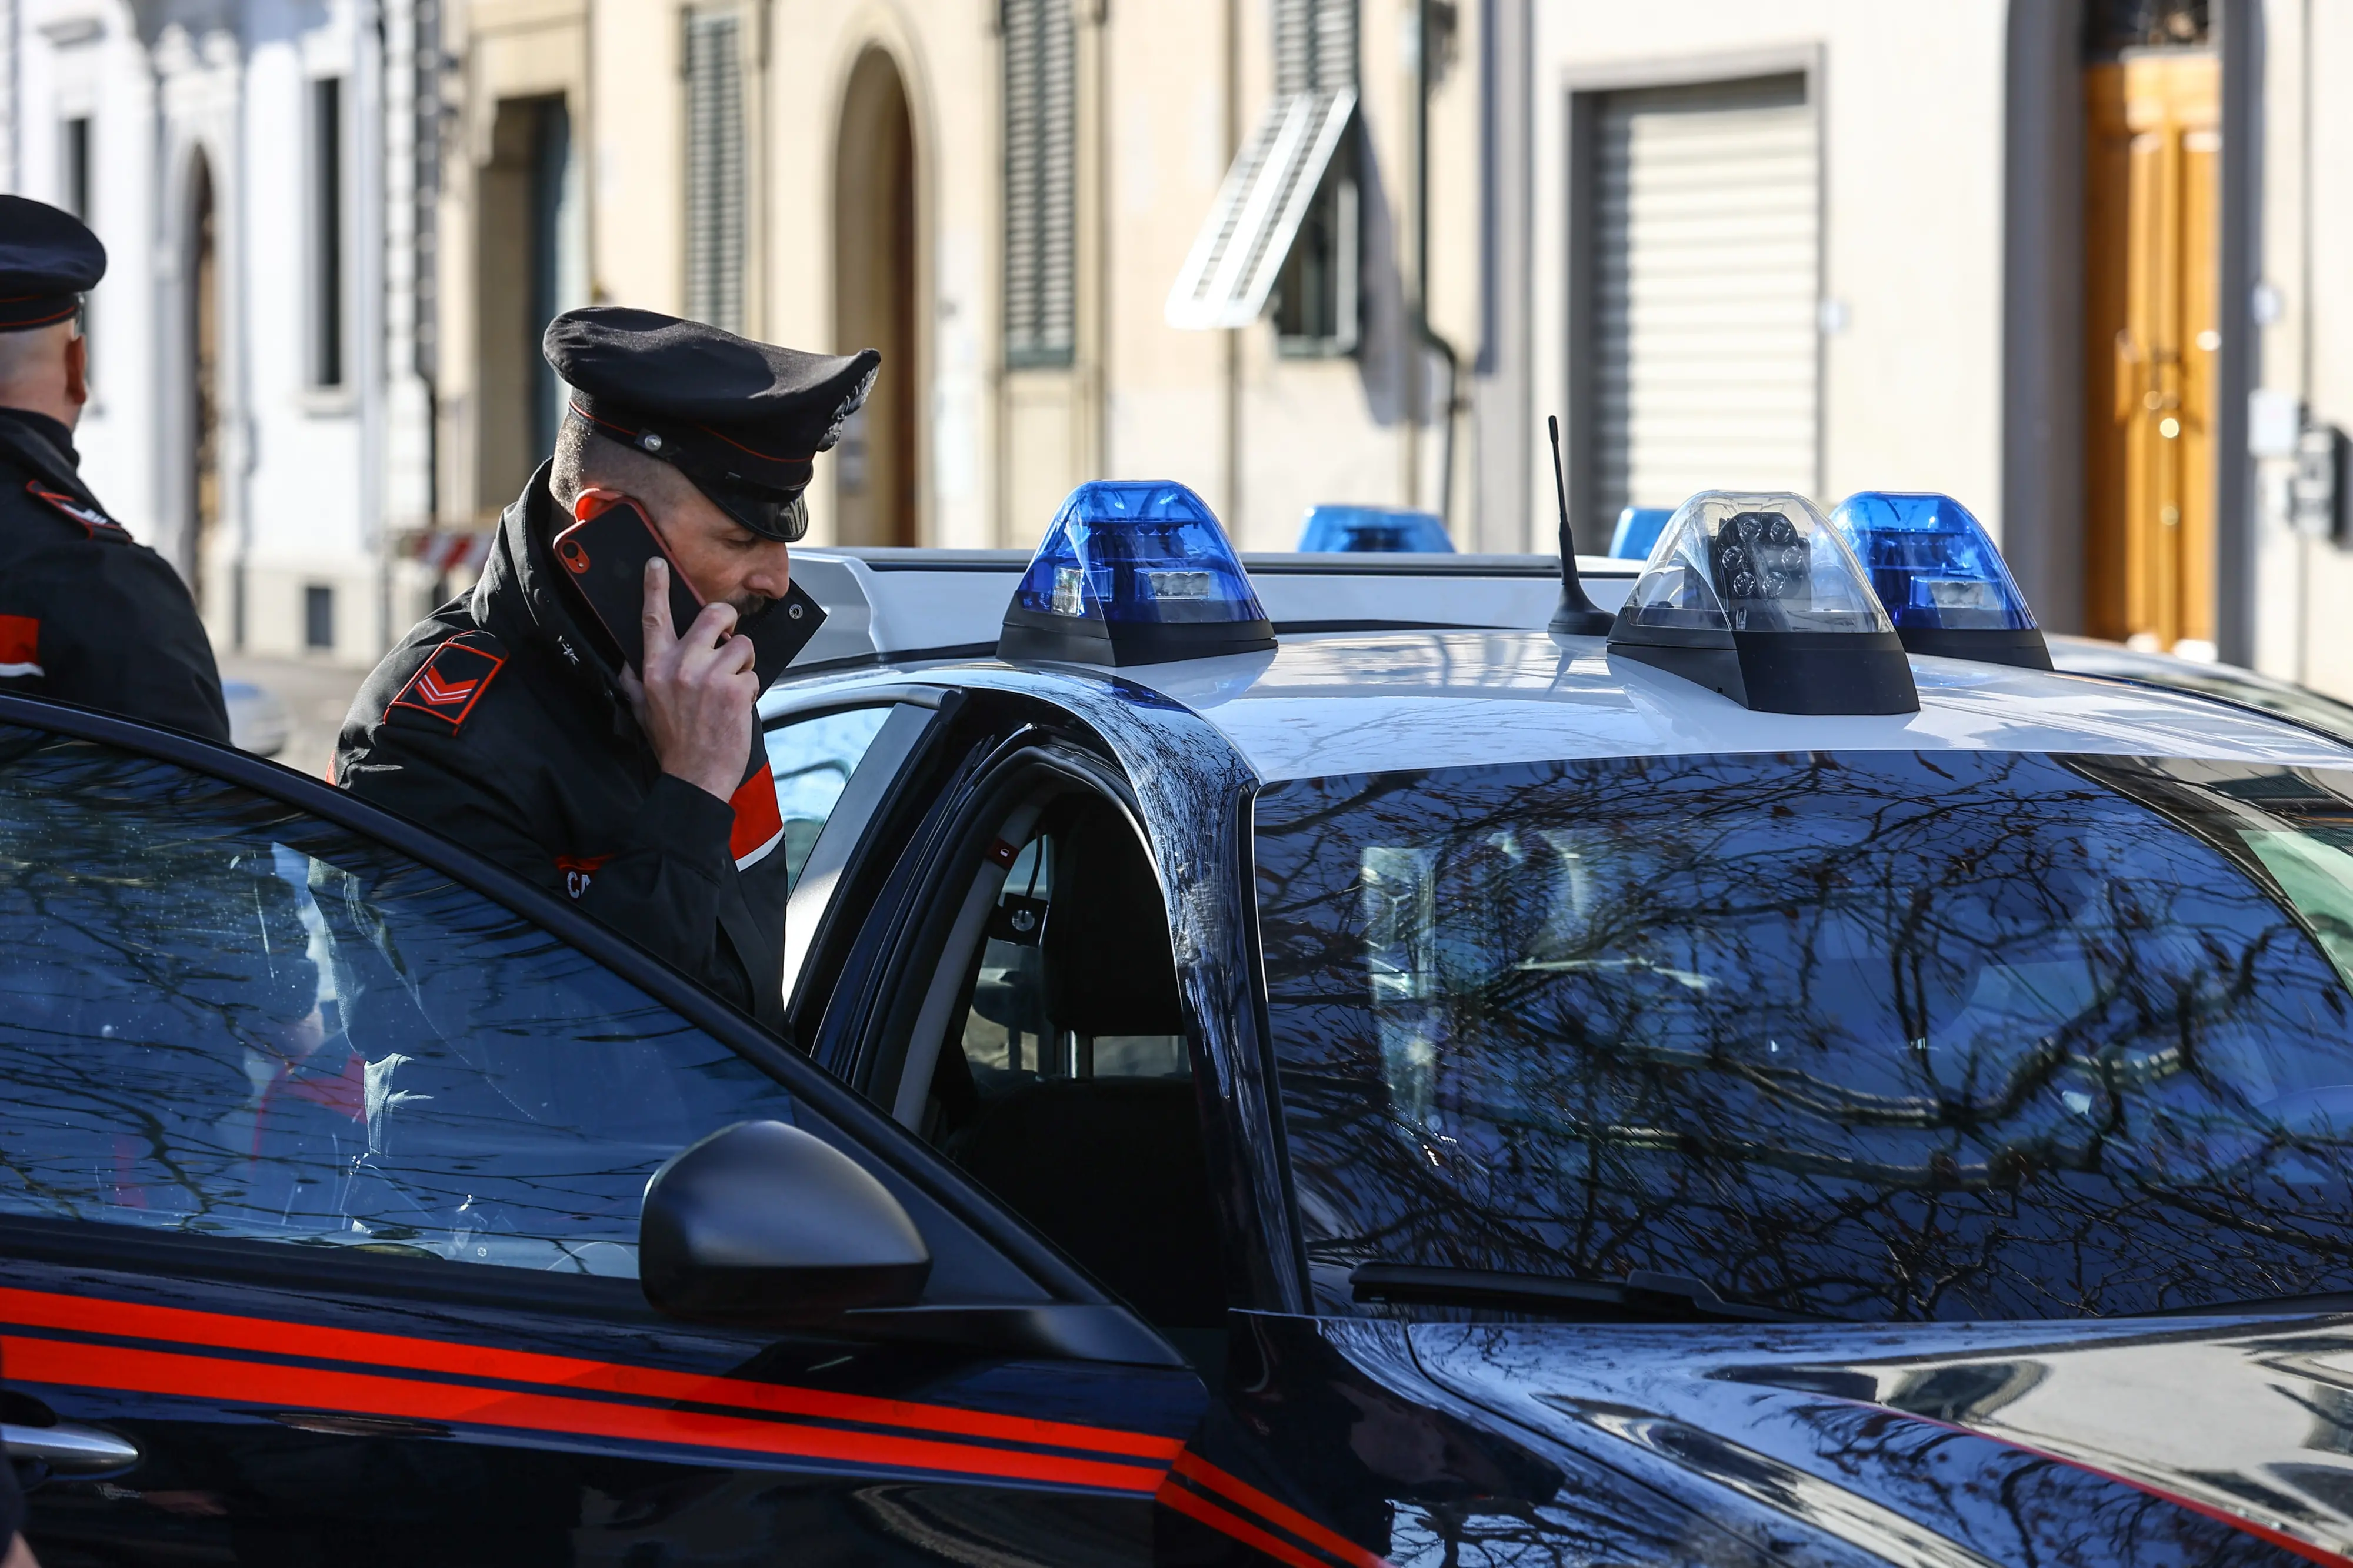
pixel 510 720
pixel 86 615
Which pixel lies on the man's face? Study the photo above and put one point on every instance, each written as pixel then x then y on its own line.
pixel 723 560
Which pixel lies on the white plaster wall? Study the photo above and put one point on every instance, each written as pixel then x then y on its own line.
pixel 104 77
pixel 234 81
pixel 2303 584
pixel 1912 115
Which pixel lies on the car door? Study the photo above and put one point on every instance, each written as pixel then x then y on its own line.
pixel 322 1153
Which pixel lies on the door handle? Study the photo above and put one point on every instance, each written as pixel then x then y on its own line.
pixel 70 1449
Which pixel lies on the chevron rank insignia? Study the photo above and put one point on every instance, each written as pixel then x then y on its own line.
pixel 96 522
pixel 453 680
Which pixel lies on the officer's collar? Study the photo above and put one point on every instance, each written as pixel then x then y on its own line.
pixel 52 430
pixel 520 574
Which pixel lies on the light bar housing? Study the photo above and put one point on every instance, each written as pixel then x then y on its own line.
pixel 1942 581
pixel 1328 530
pixel 1754 595
pixel 1133 573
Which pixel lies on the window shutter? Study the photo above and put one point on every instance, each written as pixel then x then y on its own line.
pixel 714 168
pixel 1245 237
pixel 1041 183
pixel 1315 45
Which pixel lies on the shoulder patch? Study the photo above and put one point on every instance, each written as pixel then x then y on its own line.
pixel 452 679
pixel 94 522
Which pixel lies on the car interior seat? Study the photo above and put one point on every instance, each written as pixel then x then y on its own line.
pixel 1111 1168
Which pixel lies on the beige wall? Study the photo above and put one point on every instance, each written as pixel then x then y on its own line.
pixel 510 49
pixel 1157 122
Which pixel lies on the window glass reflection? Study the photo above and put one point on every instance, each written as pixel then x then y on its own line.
pixel 812 760
pixel 222 1017
pixel 1879 1034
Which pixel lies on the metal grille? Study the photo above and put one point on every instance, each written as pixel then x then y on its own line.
pixel 1706 281
pixel 1315 45
pixel 714 168
pixel 1041 183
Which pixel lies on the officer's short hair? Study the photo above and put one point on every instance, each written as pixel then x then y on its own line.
pixel 33 351
pixel 587 460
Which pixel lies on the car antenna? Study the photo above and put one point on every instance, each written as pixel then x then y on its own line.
pixel 1578 616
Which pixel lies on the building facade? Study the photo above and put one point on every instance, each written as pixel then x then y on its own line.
pixel 2066 259
pixel 999 195
pixel 255 412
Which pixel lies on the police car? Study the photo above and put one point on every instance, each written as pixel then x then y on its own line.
pixel 1295 1064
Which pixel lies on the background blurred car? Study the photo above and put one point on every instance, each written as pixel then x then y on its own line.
pixel 258 720
pixel 2226 682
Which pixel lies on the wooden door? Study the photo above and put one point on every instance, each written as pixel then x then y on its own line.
pixel 2152 206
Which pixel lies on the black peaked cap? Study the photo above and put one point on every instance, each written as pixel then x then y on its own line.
pixel 743 420
pixel 48 258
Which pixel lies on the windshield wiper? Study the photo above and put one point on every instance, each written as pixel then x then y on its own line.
pixel 1642 1296
pixel 2319 1304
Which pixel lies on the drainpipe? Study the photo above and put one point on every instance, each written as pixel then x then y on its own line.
pixel 1428 335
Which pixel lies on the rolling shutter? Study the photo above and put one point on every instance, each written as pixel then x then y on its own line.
pixel 714 168
pixel 1706 231
pixel 1041 183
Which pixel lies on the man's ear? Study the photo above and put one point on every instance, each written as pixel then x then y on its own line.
pixel 77 370
pixel 594 499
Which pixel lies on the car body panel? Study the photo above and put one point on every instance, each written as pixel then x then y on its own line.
pixel 1356 702
pixel 2001 1442
pixel 285 1423
pixel 294 1403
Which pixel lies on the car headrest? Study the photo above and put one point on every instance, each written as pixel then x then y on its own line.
pixel 1109 970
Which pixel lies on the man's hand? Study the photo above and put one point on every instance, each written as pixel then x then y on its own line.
pixel 696 697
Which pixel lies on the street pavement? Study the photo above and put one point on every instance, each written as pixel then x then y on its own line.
pixel 316 698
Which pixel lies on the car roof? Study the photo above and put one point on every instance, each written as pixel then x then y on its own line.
pixel 1359 702
pixel 1404 692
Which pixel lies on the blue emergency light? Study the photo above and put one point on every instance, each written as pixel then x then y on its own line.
pixel 1943 584
pixel 1638 532
pixel 1133 573
pixel 1755 595
pixel 1372 528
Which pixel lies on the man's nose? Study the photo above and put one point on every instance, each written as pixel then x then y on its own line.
pixel 772 573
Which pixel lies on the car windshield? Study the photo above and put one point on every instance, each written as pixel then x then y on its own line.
pixel 1878 1036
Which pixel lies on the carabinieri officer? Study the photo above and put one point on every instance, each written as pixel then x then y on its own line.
pixel 508 720
pixel 86 615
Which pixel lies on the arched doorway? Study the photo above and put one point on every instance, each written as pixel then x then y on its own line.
pixel 875 302
pixel 203 317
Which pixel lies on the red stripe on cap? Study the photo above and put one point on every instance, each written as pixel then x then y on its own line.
pixel 246 1383
pixel 187 1326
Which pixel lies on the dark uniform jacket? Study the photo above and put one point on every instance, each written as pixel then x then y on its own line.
pixel 500 722
pixel 86 615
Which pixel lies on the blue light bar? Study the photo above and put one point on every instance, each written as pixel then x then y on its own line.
pixel 1637 531
pixel 1373 528
pixel 1133 573
pixel 1755 595
pixel 1944 584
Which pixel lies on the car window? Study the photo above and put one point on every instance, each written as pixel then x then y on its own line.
pixel 1061 1079
pixel 812 760
pixel 222 1016
pixel 1885 1035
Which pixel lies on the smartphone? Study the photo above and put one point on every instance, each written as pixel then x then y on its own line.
pixel 605 552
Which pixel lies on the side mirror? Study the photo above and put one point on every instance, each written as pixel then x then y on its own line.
pixel 762 1223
